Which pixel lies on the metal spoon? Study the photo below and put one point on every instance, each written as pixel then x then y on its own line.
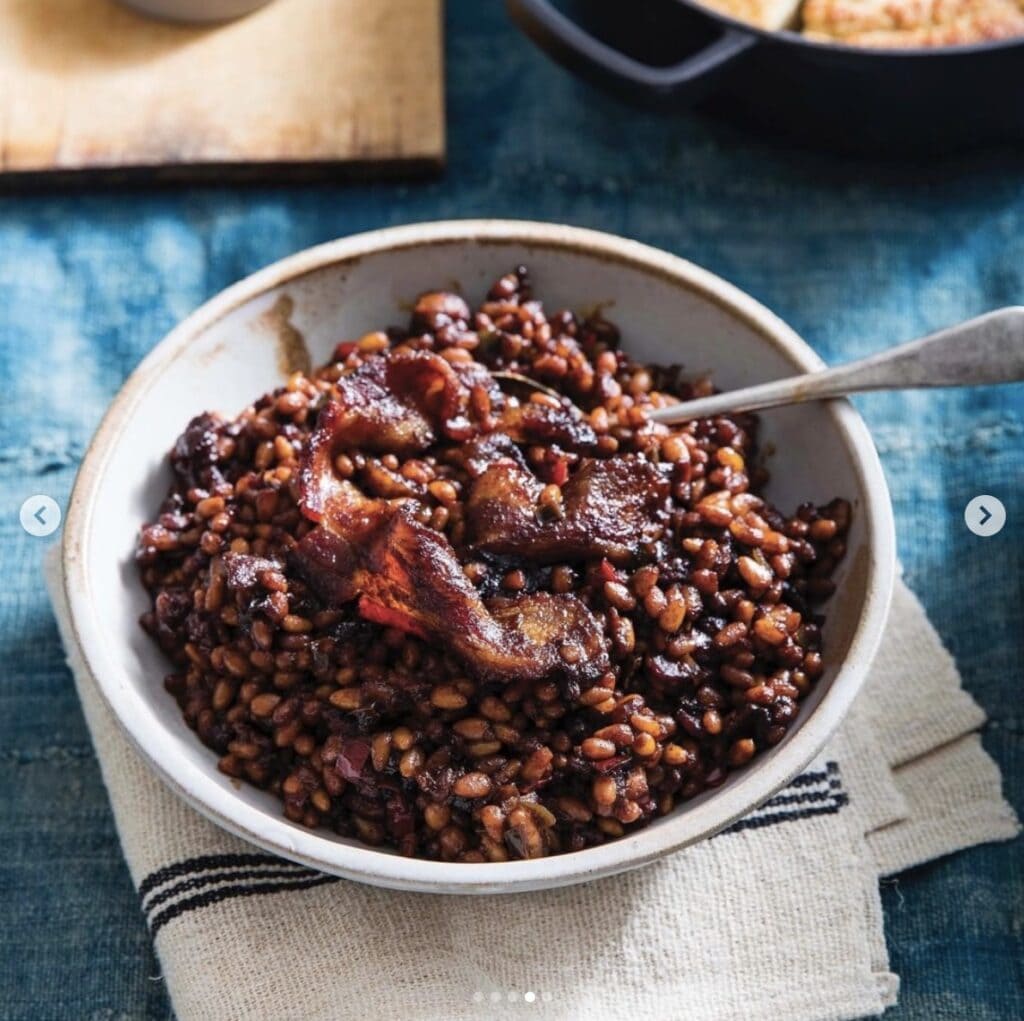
pixel 988 349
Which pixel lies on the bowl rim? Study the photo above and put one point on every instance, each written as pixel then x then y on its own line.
pixel 221 805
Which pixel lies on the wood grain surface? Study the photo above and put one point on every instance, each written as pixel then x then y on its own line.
pixel 87 85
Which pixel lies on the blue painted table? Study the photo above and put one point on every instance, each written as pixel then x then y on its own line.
pixel 854 255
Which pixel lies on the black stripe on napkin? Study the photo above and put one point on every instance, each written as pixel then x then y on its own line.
pixel 204 900
pixel 808 795
pixel 210 861
pixel 756 822
pixel 279 870
pixel 804 798
pixel 829 773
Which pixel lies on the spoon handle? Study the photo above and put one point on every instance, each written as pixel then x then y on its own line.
pixel 988 349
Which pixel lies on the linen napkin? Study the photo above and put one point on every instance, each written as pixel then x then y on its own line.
pixel 778 915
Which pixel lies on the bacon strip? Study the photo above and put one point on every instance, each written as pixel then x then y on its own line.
pixel 403 403
pixel 608 509
pixel 547 425
pixel 406 401
pixel 407 575
pixel 478 455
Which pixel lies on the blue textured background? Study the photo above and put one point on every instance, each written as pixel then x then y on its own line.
pixel 854 255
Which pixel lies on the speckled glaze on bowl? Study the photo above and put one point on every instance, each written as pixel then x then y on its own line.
pixel 241 344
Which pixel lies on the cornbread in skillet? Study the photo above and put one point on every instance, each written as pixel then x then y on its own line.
pixel 767 14
pixel 912 23
pixel 431 608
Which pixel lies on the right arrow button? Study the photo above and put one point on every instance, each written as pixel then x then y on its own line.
pixel 985 515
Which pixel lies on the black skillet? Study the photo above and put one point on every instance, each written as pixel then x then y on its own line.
pixel 833 96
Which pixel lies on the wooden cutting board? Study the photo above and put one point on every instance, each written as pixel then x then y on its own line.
pixel 307 86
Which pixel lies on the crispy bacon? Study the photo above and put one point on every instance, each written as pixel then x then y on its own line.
pixel 403 403
pixel 406 575
pixel 478 455
pixel 328 563
pixel 320 487
pixel 543 424
pixel 406 401
pixel 608 509
pixel 372 414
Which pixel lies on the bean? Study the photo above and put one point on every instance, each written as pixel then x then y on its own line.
pixel 604 791
pixel 473 728
pixel 756 575
pixel 671 618
pixel 820 531
pixel 437 816
pixel 495 709
pixel 537 765
pixel 211 506
pixel 411 762
pixel 444 491
pixel 264 705
pixel 597 748
pixel 675 755
pixel 644 745
pixel 674 449
pixel 715 512
pixel 617 733
pixel 731 634
pixel 472 785
pixel 769 630
pixel 655 602
pixel 741 752
pixel 619 596
pixel 447 696
pixel 380 750
pixel 346 698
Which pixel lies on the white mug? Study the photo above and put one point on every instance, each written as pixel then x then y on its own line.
pixel 195 10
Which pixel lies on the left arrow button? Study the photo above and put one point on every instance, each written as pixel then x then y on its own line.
pixel 40 516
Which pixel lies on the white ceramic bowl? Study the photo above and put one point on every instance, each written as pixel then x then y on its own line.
pixel 238 345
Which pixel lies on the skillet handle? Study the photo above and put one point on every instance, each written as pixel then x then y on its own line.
pixel 578 50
